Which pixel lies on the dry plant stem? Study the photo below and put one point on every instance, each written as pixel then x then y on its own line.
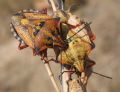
pixel 51 75
pixel 74 86
pixel 53 5
pixel 65 79
pixel 47 64
pixel 71 85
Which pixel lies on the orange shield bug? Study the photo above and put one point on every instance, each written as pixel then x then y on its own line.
pixel 38 31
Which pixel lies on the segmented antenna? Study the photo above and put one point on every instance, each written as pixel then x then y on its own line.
pixel 102 75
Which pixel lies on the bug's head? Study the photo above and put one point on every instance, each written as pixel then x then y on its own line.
pixel 73 19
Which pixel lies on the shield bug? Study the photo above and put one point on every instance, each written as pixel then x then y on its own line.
pixel 38 31
pixel 76 57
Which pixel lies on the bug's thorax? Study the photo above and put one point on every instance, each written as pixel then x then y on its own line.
pixel 49 36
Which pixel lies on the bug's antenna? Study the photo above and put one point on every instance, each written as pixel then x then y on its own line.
pixel 102 75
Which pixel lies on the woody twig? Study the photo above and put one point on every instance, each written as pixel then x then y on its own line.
pixel 51 75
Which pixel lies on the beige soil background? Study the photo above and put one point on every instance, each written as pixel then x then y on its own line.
pixel 20 71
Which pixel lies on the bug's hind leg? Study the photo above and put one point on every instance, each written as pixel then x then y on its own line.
pixel 22 46
pixel 70 71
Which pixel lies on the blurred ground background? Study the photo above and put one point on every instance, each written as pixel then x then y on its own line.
pixel 20 71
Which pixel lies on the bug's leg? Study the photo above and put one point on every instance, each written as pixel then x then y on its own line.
pixel 52 59
pixel 22 46
pixel 70 72
pixel 89 62
pixel 44 56
pixel 40 51
pixel 57 52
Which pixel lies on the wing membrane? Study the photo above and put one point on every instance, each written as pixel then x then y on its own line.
pixel 22 31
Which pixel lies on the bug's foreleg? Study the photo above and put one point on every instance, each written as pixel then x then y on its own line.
pixel 44 56
pixel 57 52
pixel 89 62
pixel 22 46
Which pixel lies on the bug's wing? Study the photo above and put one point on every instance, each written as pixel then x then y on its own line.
pixel 22 31
pixel 24 23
